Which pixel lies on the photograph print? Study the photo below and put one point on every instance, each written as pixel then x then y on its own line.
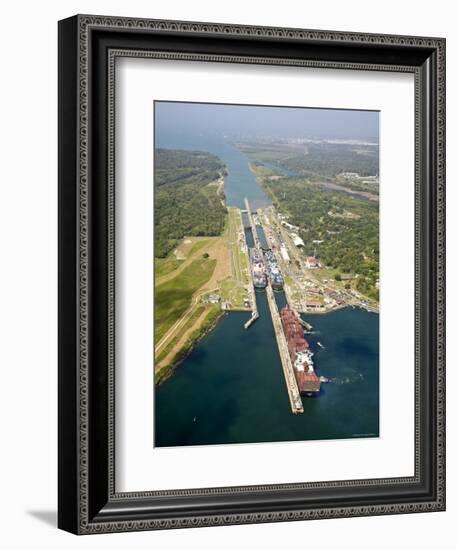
pixel 266 274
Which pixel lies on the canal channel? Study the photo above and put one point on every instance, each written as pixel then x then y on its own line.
pixel 231 389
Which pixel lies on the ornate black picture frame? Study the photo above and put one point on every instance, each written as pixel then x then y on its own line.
pixel 88 501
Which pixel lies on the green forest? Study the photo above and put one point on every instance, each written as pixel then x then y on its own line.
pixel 184 202
pixel 342 230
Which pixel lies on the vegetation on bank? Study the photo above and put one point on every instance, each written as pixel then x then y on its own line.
pixel 175 166
pixel 165 266
pixel 189 206
pixel 166 350
pixel 259 169
pixel 174 297
pixel 233 288
pixel 213 315
pixel 317 160
pixel 184 202
pixel 341 230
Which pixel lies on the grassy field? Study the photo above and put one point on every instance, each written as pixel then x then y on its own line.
pixel 168 348
pixel 261 170
pixel 328 274
pixel 173 353
pixel 233 288
pixel 233 293
pixel 190 246
pixel 273 155
pixel 164 266
pixel 198 246
pixel 184 276
pixel 194 268
pixel 174 297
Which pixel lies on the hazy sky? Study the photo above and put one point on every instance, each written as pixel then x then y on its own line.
pixel 277 122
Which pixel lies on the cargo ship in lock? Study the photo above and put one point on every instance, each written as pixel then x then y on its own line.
pixel 259 276
pixel 274 273
pixel 301 356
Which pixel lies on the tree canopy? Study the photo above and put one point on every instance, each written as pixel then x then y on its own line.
pixel 184 202
pixel 342 230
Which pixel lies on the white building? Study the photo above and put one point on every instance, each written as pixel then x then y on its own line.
pixel 298 241
pixel 289 225
pixel 212 298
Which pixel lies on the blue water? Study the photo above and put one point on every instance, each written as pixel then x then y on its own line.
pixel 231 389
pixel 232 384
pixel 239 183
pixel 283 171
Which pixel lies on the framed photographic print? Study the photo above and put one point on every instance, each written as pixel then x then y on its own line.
pixel 251 274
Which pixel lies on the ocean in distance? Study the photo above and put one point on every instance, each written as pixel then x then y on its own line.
pixel 231 388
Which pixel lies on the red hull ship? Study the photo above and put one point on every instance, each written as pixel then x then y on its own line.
pixel 300 354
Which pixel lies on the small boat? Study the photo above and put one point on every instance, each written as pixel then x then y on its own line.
pixel 324 379
pixel 195 419
pixel 320 345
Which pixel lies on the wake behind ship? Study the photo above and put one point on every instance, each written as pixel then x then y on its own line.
pixel 300 354
pixel 259 276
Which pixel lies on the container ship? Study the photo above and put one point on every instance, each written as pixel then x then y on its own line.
pixel 259 276
pixel 302 357
pixel 274 273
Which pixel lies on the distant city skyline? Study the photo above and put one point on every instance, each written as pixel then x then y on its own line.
pixel 248 121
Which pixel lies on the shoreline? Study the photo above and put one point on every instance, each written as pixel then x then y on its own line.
pixel 167 372
pixel 331 185
pixel 367 195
